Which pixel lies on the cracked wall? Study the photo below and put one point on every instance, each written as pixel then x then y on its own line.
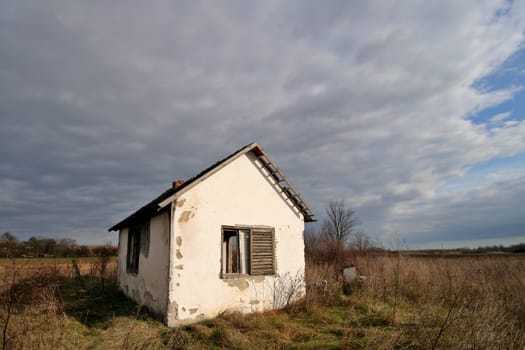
pixel 149 286
pixel 238 194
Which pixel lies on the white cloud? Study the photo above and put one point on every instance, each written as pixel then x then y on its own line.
pixel 358 100
pixel 499 117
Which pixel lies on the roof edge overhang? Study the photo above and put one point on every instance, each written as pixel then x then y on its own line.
pixel 161 202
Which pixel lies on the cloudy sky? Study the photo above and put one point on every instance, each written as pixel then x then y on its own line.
pixel 412 112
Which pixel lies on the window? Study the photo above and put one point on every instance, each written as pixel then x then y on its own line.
pixel 247 251
pixel 134 238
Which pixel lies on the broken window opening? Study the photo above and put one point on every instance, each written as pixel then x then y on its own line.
pixel 230 243
pixel 134 234
pixel 247 251
pixel 235 245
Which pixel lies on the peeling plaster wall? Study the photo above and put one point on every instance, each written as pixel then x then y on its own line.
pixel 150 286
pixel 241 193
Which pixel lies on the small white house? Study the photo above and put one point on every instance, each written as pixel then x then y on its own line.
pixel 228 239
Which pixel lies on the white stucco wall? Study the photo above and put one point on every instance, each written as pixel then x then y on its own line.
pixel 150 286
pixel 238 194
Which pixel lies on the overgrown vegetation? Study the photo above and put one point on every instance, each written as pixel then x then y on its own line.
pixel 402 300
pixel 405 302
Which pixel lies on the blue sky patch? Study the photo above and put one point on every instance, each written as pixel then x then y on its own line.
pixel 510 75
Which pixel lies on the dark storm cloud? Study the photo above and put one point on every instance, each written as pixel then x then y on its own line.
pixel 103 105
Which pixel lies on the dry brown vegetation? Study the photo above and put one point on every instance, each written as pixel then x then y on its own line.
pixel 36 296
pixel 473 302
pixel 405 302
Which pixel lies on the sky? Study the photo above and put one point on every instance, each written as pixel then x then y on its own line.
pixel 412 112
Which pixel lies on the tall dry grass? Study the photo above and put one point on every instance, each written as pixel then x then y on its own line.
pixel 450 302
pixel 32 310
pixel 405 302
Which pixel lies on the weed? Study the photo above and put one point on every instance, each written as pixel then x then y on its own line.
pixel 438 303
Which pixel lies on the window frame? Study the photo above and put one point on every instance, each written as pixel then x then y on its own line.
pixel 135 233
pixel 254 245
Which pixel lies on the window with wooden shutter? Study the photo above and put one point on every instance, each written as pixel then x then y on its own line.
pixel 247 251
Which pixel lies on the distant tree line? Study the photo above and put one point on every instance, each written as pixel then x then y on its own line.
pixel 515 248
pixel 43 247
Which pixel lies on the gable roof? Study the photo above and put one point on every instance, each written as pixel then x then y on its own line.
pixel 161 202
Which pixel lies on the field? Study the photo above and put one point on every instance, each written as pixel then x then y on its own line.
pixel 404 302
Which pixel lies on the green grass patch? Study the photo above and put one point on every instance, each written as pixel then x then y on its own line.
pixel 94 305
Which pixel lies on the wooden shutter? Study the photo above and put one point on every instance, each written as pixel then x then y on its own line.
pixel 262 252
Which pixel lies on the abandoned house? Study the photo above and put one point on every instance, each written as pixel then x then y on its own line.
pixel 228 239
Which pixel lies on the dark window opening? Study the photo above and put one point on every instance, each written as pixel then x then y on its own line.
pixel 248 251
pixel 134 234
pixel 231 246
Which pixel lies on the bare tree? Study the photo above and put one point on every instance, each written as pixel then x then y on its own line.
pixel 361 242
pixel 8 237
pixel 340 223
pixel 8 245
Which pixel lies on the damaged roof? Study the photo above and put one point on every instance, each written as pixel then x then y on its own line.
pixel 160 203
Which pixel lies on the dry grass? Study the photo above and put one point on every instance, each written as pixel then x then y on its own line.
pixel 406 302
pixel 33 308
pixel 28 267
pixel 452 302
